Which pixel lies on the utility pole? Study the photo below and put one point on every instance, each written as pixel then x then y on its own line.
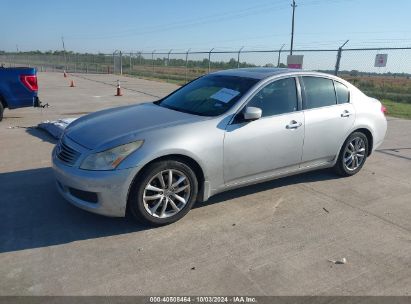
pixel 292 27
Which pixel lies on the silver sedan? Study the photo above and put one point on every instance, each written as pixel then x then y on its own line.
pixel 224 130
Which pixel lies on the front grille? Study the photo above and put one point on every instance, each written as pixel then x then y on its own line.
pixel 67 154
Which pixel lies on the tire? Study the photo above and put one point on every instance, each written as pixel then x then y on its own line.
pixel 1 110
pixel 146 202
pixel 353 155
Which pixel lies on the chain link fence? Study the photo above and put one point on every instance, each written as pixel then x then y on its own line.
pixel 356 65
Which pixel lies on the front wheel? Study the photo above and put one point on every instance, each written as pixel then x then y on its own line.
pixel 353 155
pixel 164 193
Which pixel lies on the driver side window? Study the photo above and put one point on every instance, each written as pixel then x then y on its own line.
pixel 277 97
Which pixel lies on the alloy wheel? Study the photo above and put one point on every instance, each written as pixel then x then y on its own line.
pixel 354 154
pixel 166 193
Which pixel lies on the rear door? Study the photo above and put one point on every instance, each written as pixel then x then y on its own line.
pixel 329 117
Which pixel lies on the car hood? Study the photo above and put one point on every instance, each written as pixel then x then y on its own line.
pixel 124 123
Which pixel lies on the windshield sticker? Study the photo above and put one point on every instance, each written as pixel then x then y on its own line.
pixel 225 95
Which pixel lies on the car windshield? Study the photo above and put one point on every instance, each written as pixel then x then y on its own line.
pixel 209 95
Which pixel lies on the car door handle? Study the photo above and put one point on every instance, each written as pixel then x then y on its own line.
pixel 293 125
pixel 346 114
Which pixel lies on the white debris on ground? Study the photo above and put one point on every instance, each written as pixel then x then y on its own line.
pixel 342 261
pixel 56 127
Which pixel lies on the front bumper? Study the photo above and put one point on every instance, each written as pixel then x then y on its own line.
pixel 110 187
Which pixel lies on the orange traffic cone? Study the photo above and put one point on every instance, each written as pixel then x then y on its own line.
pixel 72 85
pixel 118 89
pixel 65 74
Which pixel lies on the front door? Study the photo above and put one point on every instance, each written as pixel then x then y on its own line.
pixel 270 145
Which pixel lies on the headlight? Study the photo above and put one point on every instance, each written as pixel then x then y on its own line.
pixel 110 159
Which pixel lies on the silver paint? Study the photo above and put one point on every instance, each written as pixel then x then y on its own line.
pixel 229 154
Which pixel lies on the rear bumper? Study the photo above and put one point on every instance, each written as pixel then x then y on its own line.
pixel 380 132
pixel 24 103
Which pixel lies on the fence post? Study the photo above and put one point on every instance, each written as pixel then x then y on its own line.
pixel 187 63
pixel 238 57
pixel 168 57
pixel 114 62
pixel 209 60
pixel 152 59
pixel 337 64
pixel 168 63
pixel 131 66
pixel 279 56
pixel 121 63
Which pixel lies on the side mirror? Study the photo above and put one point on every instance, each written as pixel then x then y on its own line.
pixel 252 113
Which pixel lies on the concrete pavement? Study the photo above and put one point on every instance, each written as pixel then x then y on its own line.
pixel 273 238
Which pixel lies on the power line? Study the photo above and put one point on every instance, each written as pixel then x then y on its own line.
pixel 253 10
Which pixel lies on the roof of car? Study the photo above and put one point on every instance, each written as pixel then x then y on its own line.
pixel 257 73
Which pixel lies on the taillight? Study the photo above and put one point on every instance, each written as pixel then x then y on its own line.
pixel 383 109
pixel 30 82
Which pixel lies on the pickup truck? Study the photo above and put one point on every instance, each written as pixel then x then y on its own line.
pixel 18 88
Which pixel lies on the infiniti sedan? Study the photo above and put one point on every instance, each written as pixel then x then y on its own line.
pixel 221 131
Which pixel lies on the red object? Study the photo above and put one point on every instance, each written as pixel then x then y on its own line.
pixel 295 66
pixel 384 109
pixel 30 82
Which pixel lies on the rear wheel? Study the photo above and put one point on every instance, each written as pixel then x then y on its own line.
pixel 353 155
pixel 164 193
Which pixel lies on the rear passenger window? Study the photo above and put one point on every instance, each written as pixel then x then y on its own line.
pixel 319 92
pixel 343 94
pixel 278 97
